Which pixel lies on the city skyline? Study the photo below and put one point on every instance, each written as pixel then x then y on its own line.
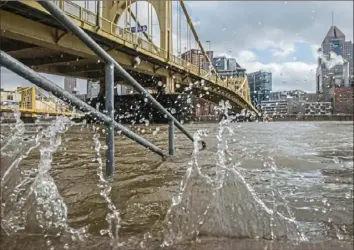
pixel 272 38
pixel 279 36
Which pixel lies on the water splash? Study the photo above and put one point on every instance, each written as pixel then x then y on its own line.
pixel 17 131
pixel 113 216
pixel 332 60
pixel 219 202
pixel 35 204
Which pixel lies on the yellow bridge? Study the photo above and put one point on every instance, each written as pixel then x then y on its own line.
pixel 31 35
pixel 34 102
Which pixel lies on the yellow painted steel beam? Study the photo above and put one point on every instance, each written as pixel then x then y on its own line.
pixel 190 23
pixel 35 112
pixel 20 28
pixel 147 36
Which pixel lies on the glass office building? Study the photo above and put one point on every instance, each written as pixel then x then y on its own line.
pixel 260 84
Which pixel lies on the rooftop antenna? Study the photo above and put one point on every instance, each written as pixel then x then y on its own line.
pixel 332 18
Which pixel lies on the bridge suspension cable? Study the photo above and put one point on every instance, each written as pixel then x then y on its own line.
pixel 190 24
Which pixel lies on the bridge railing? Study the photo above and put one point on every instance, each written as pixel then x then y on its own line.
pixel 76 11
pixel 111 66
pixel 107 26
pixel 33 100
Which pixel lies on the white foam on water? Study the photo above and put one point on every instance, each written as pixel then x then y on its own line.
pixel 113 216
pixel 35 204
pixel 224 204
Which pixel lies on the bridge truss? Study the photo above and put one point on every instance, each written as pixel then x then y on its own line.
pixel 59 52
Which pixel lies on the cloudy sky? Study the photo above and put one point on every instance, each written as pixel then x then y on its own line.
pixel 281 37
pixel 278 36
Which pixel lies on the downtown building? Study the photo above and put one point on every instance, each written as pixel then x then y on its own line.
pixel 228 67
pixel 327 79
pixel 260 84
pixel 294 102
pixel 196 57
pixel 93 89
pixel 70 85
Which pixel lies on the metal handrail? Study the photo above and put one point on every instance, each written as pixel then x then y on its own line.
pixel 127 36
pixel 71 26
pixel 123 35
pixel 29 74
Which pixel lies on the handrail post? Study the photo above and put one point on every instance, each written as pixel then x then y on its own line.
pixel 171 139
pixel 100 52
pixel 61 5
pixel 109 82
pixel 29 74
pixel 81 16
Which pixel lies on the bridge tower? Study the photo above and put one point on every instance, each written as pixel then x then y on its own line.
pixel 113 10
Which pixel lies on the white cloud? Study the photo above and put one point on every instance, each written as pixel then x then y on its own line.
pixel 275 27
pixel 242 26
pixel 196 23
pixel 247 56
pixel 332 61
pixel 10 81
pixel 286 76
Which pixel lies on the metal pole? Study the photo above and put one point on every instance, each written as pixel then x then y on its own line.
pixel 151 23
pixel 109 82
pixel 22 70
pixel 136 22
pixel 70 25
pixel 171 140
pixel 98 14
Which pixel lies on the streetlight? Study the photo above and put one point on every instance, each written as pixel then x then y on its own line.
pixel 209 42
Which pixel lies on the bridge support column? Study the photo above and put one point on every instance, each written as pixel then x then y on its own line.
pixel 171 140
pixel 169 85
pixel 109 83
pixel 164 14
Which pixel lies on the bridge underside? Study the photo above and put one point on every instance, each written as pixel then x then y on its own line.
pixel 40 42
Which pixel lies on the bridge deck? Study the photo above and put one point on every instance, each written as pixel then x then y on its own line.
pixel 36 111
pixel 38 40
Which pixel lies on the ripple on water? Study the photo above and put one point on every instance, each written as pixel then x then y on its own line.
pixel 144 185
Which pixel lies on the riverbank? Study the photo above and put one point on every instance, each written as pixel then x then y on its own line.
pixel 216 119
pixel 314 118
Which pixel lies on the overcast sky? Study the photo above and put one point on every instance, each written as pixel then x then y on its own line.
pixel 280 36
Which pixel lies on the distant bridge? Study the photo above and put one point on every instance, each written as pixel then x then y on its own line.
pixel 34 102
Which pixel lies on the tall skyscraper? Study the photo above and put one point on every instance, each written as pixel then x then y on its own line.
pixel 260 84
pixel 70 84
pixel 334 42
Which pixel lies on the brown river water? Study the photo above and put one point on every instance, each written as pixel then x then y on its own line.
pixel 276 185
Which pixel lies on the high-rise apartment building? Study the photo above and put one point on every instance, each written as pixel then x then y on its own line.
pixel 340 75
pixel 70 84
pixel 228 67
pixel 260 84
pixel 196 57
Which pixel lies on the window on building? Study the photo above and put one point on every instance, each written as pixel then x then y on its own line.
pixel 336 47
pixel 10 97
